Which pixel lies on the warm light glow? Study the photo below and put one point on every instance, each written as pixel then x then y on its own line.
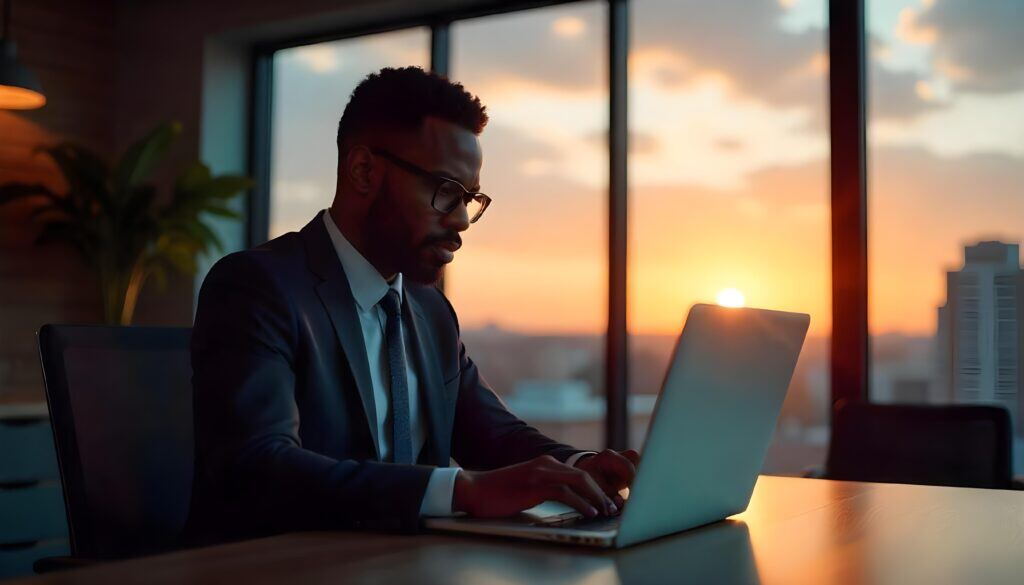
pixel 19 98
pixel 568 27
pixel 731 297
pixel 319 58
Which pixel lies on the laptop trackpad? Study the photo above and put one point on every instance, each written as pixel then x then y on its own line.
pixel 550 511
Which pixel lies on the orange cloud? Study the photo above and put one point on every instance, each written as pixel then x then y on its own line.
pixel 909 30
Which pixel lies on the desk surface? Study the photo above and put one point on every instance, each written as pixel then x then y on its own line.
pixel 795 531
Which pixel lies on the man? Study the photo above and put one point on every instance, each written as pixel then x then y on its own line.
pixel 331 387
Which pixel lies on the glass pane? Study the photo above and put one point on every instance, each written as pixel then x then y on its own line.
pixel 729 189
pixel 946 201
pixel 530 284
pixel 312 84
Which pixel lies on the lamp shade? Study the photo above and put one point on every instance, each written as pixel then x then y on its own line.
pixel 19 88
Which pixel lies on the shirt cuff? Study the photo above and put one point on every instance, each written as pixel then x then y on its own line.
pixel 437 498
pixel 575 458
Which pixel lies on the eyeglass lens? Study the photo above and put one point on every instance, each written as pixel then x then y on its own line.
pixel 448 197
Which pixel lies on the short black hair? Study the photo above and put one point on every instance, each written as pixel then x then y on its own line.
pixel 400 99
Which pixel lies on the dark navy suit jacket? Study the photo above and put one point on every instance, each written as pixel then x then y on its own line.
pixel 284 407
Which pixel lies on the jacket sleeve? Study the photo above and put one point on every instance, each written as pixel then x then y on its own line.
pixel 485 434
pixel 244 349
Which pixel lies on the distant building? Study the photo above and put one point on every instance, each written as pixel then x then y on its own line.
pixel 567 401
pixel 979 334
pixel 569 411
pixel 555 401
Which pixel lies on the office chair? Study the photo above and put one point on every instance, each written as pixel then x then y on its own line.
pixel 120 401
pixel 951 445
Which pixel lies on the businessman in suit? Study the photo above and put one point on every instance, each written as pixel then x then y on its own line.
pixel 331 388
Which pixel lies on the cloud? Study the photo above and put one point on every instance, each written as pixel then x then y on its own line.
pixel 676 44
pixel 559 46
pixel 728 144
pixel 895 96
pixel 970 123
pixel 744 41
pixel 980 44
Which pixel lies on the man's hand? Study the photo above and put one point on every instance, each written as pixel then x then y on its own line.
pixel 512 489
pixel 612 470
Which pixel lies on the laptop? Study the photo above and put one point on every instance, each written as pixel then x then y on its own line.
pixel 711 427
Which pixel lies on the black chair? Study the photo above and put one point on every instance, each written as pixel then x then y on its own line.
pixel 951 445
pixel 120 402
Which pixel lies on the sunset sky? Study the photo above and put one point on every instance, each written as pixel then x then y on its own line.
pixel 729 154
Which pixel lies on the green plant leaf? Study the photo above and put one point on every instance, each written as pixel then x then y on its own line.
pixel 195 232
pixel 158 272
pixel 221 211
pixel 138 205
pixel 225 186
pixel 87 175
pixel 71 233
pixel 182 257
pixel 209 237
pixel 142 157
pixel 192 177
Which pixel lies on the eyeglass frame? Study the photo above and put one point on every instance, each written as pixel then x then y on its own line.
pixel 484 199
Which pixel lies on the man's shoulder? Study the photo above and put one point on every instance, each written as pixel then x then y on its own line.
pixel 281 256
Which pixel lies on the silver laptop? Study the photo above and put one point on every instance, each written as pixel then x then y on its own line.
pixel 706 442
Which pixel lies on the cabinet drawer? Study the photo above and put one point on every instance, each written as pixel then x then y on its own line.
pixel 32 513
pixel 26 451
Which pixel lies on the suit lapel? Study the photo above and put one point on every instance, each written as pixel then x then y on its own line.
pixel 431 383
pixel 336 295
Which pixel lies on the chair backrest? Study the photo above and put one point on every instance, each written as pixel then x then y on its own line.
pixel 120 402
pixel 953 445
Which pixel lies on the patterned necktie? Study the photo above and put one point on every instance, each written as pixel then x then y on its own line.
pixel 401 433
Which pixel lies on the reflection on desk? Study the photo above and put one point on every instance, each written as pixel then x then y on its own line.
pixel 717 553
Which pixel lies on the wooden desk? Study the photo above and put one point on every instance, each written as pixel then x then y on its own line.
pixel 796 531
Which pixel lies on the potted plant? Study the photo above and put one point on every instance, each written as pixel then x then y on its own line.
pixel 112 216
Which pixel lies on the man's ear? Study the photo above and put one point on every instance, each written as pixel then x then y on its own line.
pixel 362 172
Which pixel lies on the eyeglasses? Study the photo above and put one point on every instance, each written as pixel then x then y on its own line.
pixel 448 193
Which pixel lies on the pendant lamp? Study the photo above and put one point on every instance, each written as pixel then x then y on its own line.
pixel 19 88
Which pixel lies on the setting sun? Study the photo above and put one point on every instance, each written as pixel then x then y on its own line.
pixel 731 297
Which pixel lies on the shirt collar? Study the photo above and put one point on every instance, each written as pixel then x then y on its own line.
pixel 368 286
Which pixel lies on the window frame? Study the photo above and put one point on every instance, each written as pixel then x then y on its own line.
pixel 849 351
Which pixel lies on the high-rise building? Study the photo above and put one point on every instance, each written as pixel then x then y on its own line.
pixel 979 337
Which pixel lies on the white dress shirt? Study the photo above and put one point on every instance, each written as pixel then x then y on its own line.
pixel 368 288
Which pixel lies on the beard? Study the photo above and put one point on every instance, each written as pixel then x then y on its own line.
pixel 392 243
pixel 422 268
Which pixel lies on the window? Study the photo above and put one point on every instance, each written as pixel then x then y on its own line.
pixel 729 163
pixel 530 283
pixel 311 86
pixel 946 202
